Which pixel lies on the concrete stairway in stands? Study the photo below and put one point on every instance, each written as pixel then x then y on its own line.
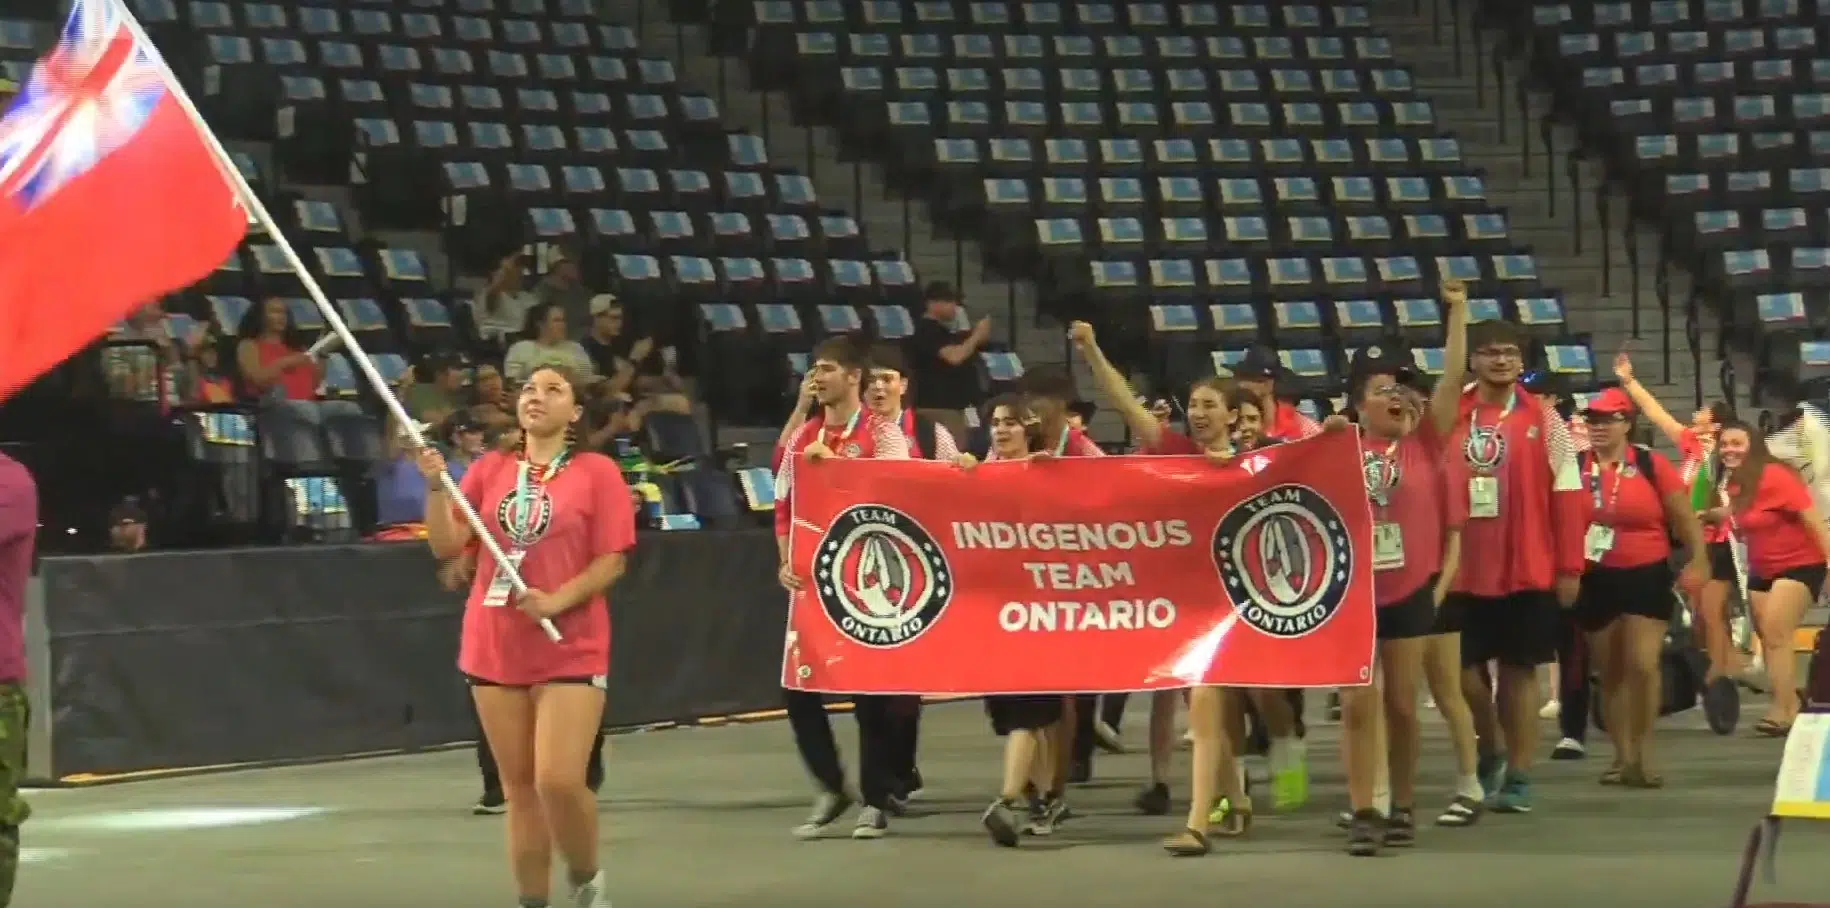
pixel 1424 36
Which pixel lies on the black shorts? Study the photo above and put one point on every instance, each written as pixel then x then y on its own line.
pixel 1811 575
pixel 1412 616
pixel 1519 630
pixel 1610 592
pixel 1023 712
pixel 1722 562
pixel 598 681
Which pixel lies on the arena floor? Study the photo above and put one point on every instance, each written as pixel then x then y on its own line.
pixel 699 819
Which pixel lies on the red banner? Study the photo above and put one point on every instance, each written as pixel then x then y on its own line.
pixel 1083 574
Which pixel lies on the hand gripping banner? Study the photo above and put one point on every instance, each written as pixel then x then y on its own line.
pixel 1071 575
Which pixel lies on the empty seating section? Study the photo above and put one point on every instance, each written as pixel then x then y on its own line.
pixel 1197 177
pixel 1713 117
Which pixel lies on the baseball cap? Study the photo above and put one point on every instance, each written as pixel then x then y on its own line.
pixel 461 422
pixel 602 302
pixel 1613 401
pixel 1378 360
pixel 1258 362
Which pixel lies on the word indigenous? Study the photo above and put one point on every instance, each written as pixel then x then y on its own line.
pixel 1155 569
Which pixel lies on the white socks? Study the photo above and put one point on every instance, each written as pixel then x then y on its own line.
pixel 1469 786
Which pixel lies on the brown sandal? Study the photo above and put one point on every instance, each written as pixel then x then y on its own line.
pixel 1770 729
pixel 1638 777
pixel 1616 775
pixel 1234 823
pixel 1189 843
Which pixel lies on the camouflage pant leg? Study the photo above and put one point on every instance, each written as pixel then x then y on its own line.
pixel 15 713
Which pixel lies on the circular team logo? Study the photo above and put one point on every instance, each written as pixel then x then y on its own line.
pixel 1284 556
pixel 881 577
pixel 1381 475
pixel 538 514
pixel 1485 448
pixel 854 450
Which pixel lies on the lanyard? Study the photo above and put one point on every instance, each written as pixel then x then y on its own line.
pixel 524 513
pixel 1489 448
pixel 1381 474
pixel 851 425
pixel 1062 445
pixel 1595 487
pixel 907 420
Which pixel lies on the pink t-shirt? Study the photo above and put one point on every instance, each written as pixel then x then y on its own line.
pixel 582 514
pixel 1420 500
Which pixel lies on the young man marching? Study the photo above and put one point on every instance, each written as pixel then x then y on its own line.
pixel 844 427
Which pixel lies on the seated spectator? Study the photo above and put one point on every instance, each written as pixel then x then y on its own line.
pixel 617 354
pixel 490 402
pixel 206 384
pixel 547 344
pixel 275 371
pixel 438 392
pixel 463 438
pixel 944 360
pixel 400 491
pixel 564 286
pixel 500 307
pixel 127 526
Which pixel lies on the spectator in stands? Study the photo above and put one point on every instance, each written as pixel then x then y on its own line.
pixel 127 526
pixel 500 307
pixel 490 402
pixel 943 359
pixel 615 353
pixel 564 286
pixel 1258 373
pixel 400 491
pixel 272 366
pixel 439 391
pixel 463 438
pixel 206 384
pixel 547 344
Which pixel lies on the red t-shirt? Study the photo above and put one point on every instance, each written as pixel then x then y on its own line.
pixel 298 382
pixel 1543 508
pixel 1172 443
pixel 1290 424
pixel 1773 524
pixel 1421 501
pixel 1633 504
pixel 585 512
pixel 870 437
pixel 1692 455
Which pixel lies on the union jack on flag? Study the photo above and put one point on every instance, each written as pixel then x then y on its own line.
pixel 90 96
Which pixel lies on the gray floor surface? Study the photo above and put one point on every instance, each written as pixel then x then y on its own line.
pixel 699 818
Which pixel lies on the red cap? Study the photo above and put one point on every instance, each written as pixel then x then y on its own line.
pixel 1613 400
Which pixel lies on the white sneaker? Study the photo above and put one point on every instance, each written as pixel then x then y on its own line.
pixel 1550 710
pixel 591 894
pixel 872 824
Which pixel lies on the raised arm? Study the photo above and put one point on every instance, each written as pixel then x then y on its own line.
pixel 797 416
pixel 1643 399
pixel 1114 388
pixel 1445 401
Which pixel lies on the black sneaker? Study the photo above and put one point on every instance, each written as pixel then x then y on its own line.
pixel 1003 820
pixel 1401 828
pixel 1080 773
pixel 1722 705
pixel 1366 833
pixel 911 786
pixel 1048 817
pixel 490 804
pixel 827 808
pixel 1153 801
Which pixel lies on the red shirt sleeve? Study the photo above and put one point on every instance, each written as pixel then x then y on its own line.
pixel 476 481
pixel 1782 490
pixel 1666 480
pixel 612 509
pixel 1570 502
pixel 1079 445
pixel 1173 443
pixel 784 476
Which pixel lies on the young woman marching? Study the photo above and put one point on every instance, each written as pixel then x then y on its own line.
pixel 1153 435
pixel 1696 444
pixel 565 519
pixel 1770 508
pixel 1028 723
pixel 1639 502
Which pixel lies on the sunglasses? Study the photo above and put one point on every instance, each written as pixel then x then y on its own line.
pixel 1598 417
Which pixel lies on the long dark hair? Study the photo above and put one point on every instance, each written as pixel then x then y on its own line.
pixel 574 381
pixel 1745 479
pixel 254 321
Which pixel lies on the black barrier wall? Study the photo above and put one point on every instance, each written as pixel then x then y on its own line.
pixel 177 660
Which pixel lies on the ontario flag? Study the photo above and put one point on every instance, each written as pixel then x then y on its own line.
pixel 110 194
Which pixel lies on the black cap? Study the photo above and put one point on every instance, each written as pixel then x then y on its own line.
pixel 1258 362
pixel 1378 360
pixel 462 421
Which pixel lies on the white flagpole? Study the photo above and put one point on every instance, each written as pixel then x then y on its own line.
pixel 261 216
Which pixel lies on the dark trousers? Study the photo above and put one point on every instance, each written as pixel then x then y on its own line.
pixel 1086 713
pixel 878 750
pixel 1112 709
pixel 905 743
pixel 1573 678
pixel 492 778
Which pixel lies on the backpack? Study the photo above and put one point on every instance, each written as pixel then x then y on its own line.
pixel 924 436
pixel 1642 461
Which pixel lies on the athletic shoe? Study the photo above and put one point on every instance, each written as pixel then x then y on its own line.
pixel 1569 749
pixel 591 894
pixel 1401 828
pixel 1001 820
pixel 490 804
pixel 1049 818
pixel 1334 706
pixel 1107 738
pixel 1290 787
pixel 1514 795
pixel 872 824
pixel 1550 710
pixel 1153 801
pixel 827 809
pixel 1365 833
pixel 910 788
pixel 1492 771
pixel 1722 705
pixel 1080 772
